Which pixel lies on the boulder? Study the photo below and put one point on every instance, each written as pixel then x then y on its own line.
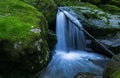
pixel 23 40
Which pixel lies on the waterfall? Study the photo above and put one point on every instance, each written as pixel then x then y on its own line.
pixel 70 56
pixel 61 31
pixel 68 35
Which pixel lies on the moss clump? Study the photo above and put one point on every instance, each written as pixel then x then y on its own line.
pixel 116 74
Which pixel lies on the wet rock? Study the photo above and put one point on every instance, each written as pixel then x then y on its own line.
pixel 112 44
pixel 111 41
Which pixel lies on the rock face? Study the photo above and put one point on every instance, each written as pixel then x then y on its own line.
pixel 23 40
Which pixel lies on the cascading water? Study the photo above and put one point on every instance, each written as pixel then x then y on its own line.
pixel 70 57
pixel 61 31
pixel 68 35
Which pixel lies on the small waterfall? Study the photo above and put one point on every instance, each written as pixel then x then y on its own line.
pixel 68 35
pixel 61 31
pixel 70 57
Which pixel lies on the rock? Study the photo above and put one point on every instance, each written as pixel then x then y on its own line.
pixel 112 67
pixel 23 40
pixel 87 75
pixel 112 44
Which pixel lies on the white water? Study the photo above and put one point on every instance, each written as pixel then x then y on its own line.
pixel 70 57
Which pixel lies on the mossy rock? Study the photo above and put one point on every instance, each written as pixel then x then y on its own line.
pixel 112 67
pixel 23 33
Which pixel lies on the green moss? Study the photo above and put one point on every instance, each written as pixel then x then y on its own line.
pixel 16 20
pixel 81 4
pixel 93 1
pixel 60 2
pixel 116 74
pixel 111 9
pixel 115 2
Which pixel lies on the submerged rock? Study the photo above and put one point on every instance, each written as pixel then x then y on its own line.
pixel 87 75
pixel 23 40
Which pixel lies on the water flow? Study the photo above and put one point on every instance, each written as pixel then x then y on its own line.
pixel 70 58
pixel 61 31
pixel 68 35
